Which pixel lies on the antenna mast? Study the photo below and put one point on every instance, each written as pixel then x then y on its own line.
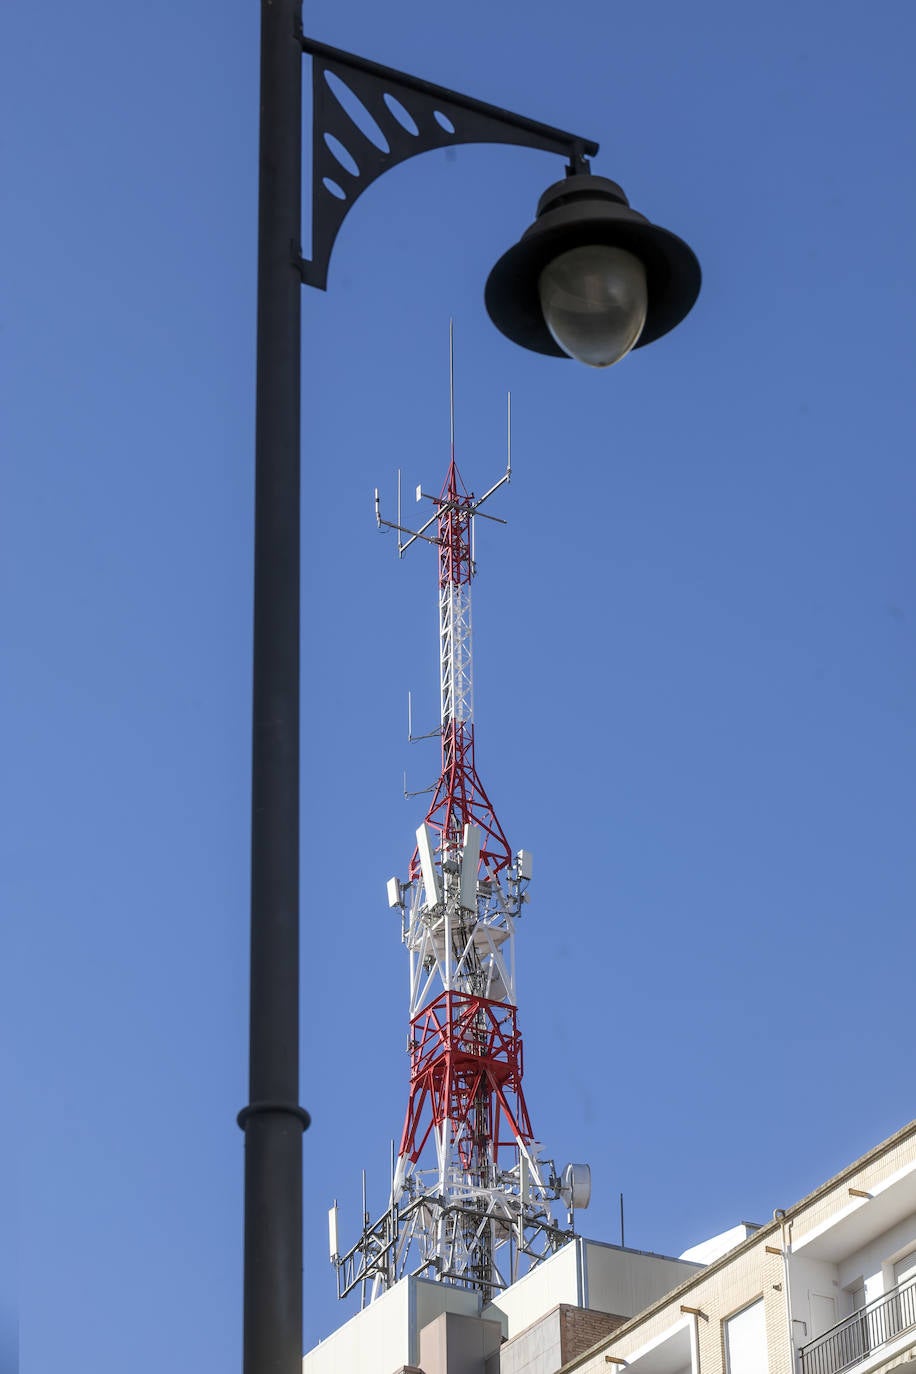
pixel 470 1200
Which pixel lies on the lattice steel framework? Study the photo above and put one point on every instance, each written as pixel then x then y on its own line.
pixel 460 798
pixel 471 1199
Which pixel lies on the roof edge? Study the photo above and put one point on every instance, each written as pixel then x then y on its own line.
pixel 780 1216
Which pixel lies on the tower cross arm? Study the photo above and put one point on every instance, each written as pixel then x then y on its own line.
pixel 475 507
pixel 407 116
pixel 403 529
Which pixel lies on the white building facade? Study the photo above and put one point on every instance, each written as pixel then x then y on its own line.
pixel 827 1287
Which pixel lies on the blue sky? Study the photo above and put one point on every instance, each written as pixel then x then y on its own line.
pixel 695 651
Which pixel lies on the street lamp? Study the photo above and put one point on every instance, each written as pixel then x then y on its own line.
pixel 590 279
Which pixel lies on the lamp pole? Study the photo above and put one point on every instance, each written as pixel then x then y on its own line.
pixel 273 1121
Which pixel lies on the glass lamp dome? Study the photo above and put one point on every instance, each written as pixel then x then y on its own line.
pixel 594 301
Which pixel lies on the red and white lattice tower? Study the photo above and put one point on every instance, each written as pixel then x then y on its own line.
pixel 471 1197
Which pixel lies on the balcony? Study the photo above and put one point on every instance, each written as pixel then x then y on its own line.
pixel 874 1328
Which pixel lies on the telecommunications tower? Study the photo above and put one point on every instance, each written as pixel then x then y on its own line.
pixel 471 1197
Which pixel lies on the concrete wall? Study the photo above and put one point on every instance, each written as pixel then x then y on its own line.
pixel 586 1273
pixel 385 1335
pixel 558 1279
pixel 535 1351
pixel 458 1344
pixel 627 1281
pixel 875 1262
pixel 808 1277
pixel 432 1298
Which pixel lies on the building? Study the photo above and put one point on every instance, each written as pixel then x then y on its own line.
pixel 559 1309
pixel 826 1287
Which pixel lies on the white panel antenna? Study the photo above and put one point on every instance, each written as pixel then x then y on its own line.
pixel 428 867
pixel 470 862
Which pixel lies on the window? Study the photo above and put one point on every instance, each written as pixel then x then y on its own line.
pixel 905 1269
pixel 746 1341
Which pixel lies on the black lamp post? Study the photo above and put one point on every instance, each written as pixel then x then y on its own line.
pixel 590 279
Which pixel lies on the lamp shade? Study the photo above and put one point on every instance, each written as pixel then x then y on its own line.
pixel 585 293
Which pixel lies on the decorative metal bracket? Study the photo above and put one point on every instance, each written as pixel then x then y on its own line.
pixel 406 116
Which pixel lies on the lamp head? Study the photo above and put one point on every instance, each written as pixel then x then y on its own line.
pixel 591 278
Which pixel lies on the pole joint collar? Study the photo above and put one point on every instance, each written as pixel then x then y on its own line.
pixel 260 1108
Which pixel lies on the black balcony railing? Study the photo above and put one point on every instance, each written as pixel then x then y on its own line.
pixel 874 1325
